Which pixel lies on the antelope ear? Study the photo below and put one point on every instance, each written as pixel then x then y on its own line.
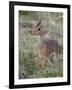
pixel 38 23
pixel 41 26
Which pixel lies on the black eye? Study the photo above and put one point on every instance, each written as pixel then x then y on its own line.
pixel 38 29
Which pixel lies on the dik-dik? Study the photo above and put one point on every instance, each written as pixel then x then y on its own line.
pixel 46 47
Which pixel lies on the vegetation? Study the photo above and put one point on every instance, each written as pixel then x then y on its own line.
pixel 28 53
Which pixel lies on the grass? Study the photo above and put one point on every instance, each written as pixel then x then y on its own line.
pixel 28 53
pixel 29 67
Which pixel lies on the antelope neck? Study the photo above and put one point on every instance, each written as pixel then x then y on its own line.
pixel 40 39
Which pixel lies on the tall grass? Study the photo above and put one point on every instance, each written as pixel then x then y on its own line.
pixel 28 53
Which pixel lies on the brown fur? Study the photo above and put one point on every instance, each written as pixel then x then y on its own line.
pixel 45 47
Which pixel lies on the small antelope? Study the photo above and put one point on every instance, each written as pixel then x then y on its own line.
pixel 45 46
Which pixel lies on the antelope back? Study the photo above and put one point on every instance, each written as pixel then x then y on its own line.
pixel 48 47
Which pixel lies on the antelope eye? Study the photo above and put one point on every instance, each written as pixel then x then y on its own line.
pixel 38 29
